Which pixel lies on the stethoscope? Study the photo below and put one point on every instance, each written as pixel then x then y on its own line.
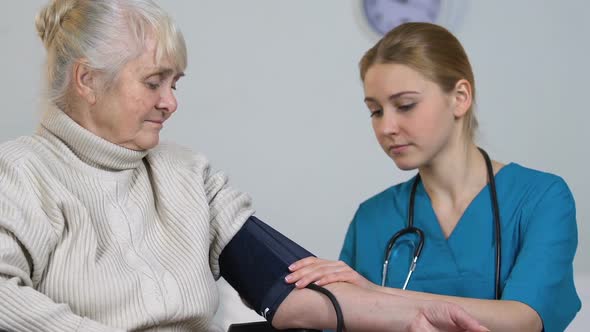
pixel 410 229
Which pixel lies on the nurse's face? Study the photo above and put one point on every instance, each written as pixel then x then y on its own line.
pixel 412 117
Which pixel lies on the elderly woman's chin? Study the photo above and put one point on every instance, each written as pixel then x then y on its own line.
pixel 146 140
pixel 149 142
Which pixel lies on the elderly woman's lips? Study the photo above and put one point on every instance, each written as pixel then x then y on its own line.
pixel 156 121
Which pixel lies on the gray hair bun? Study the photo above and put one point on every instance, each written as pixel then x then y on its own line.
pixel 49 19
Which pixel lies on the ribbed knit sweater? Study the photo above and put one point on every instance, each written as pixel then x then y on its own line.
pixel 97 237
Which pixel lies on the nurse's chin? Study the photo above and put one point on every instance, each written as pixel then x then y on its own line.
pixel 404 163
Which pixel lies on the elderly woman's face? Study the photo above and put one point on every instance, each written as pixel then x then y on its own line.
pixel 132 112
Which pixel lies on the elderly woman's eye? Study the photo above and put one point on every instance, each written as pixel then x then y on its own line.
pixel 152 85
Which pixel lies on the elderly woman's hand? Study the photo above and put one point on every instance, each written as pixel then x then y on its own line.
pixel 323 272
pixel 444 316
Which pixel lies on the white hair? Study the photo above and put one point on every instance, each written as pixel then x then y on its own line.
pixel 105 34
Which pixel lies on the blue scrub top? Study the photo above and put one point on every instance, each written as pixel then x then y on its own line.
pixel 539 240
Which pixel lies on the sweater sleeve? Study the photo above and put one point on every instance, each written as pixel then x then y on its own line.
pixel 228 211
pixel 26 240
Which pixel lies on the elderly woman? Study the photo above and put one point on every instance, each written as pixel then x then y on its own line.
pixel 104 229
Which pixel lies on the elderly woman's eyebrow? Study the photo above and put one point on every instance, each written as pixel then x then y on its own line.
pixel 162 72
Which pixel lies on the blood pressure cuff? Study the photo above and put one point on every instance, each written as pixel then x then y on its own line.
pixel 255 263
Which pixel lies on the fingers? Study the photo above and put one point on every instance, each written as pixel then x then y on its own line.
pixel 465 321
pixel 343 276
pixel 307 265
pixel 450 317
pixel 303 263
pixel 322 271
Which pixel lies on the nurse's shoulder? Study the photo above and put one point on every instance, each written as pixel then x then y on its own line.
pixel 537 199
pixel 531 184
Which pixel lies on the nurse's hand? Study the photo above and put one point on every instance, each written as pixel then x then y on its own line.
pixel 323 272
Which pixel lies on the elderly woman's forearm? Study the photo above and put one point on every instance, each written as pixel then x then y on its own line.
pixel 24 308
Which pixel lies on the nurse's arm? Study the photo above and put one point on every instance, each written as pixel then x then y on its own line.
pixel 369 310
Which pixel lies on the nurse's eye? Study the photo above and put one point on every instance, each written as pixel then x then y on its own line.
pixel 375 109
pixel 376 113
pixel 406 107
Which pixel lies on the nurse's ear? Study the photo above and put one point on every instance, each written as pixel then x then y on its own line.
pixel 462 98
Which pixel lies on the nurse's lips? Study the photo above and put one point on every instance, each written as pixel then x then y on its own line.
pixel 399 148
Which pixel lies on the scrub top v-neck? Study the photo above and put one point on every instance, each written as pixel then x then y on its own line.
pixel 539 239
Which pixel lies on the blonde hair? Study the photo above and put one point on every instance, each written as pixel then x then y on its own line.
pixel 105 34
pixel 431 50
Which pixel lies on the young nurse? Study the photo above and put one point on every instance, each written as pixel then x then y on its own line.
pixel 498 239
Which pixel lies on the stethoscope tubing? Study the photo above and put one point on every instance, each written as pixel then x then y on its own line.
pixel 418 250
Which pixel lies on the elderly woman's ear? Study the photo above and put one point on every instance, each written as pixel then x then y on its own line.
pixel 85 80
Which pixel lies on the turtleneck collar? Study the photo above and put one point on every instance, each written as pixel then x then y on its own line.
pixel 91 149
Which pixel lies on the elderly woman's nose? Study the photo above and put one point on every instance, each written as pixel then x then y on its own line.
pixel 168 101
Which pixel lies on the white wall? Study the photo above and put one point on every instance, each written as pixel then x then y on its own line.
pixel 272 96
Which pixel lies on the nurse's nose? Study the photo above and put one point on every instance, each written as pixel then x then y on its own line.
pixel 388 124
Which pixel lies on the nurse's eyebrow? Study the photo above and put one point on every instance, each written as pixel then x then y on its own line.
pixel 393 96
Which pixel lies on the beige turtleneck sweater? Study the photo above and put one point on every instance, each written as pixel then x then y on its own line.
pixel 96 237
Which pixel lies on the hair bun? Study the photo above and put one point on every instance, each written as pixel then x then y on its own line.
pixel 48 20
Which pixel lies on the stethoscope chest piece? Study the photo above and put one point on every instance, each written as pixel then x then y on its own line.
pixel 411 229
